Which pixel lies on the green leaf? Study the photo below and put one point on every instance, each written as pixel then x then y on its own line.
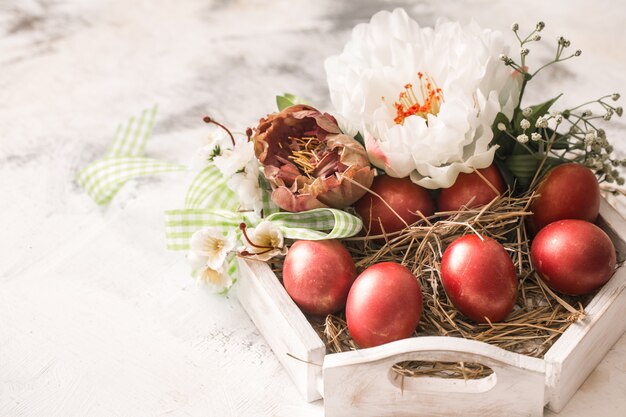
pixel 359 138
pixel 508 176
pixel 538 111
pixel 500 138
pixel 283 102
pixel 288 99
pixel 524 167
pixel 560 141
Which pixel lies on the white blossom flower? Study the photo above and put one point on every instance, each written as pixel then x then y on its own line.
pixel 264 242
pixel 217 141
pixel 208 255
pixel 424 99
pixel 211 247
pixel 535 137
pixel 246 187
pixel 239 166
pixel 527 112
pixel 216 280
pixel 235 158
pixel 522 138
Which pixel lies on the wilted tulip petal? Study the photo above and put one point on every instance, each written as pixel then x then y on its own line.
pixel 309 162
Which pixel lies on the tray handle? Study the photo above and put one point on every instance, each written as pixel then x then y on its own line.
pixel 363 383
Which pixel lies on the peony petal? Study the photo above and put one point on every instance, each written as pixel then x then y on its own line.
pixel 386 54
pixel 196 261
pixel 287 200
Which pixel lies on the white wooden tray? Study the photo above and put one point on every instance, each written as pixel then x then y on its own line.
pixel 362 382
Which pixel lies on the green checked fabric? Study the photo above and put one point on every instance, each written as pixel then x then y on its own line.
pixel 209 189
pixel 268 205
pixel 317 224
pixel 130 139
pixel 181 224
pixel 124 161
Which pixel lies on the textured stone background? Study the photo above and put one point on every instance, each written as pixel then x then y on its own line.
pixel 95 317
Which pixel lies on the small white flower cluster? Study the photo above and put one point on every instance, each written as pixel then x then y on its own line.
pixel 525 125
pixel 238 164
pixel 598 156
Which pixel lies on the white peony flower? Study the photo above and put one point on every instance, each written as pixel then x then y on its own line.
pixel 424 99
pixel 208 257
pixel 264 242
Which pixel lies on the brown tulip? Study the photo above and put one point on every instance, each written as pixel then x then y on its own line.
pixel 309 162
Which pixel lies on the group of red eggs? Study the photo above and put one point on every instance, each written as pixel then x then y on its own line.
pixel 570 254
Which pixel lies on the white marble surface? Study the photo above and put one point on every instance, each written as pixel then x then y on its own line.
pixel 96 318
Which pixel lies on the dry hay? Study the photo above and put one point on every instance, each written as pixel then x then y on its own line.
pixel 537 320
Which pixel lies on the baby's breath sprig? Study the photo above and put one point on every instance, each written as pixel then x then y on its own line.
pixel 583 140
pixel 534 36
pixel 537 138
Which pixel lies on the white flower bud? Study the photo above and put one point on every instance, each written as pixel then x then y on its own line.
pixel 591 162
pixel 558 118
pixel 591 136
pixel 619 111
pixel 541 123
pixel 535 137
pixel 615 96
pixel 524 124
pixel 514 27
pixel 524 51
pixel 537 37
pixel 578 52
pixel 522 138
pixel 527 112
pixel 501 127
pixel 540 26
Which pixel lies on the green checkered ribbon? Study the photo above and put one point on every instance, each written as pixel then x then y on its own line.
pixel 209 189
pixel 316 224
pixel 268 205
pixel 211 203
pixel 103 178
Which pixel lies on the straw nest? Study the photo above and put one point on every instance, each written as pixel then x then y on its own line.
pixel 536 322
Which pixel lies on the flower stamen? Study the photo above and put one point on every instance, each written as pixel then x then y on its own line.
pixel 409 104
pixel 242 227
pixel 209 120
pixel 306 154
